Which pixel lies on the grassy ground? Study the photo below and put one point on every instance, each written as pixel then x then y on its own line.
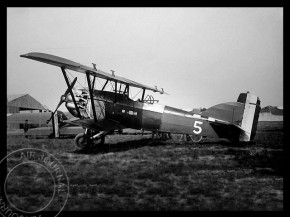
pixel 135 173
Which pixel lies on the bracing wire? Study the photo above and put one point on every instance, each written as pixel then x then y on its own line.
pixel 130 93
pixel 77 81
pixel 102 108
pixel 99 82
pixel 137 94
pixel 112 86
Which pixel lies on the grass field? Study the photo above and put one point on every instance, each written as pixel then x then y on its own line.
pixel 135 173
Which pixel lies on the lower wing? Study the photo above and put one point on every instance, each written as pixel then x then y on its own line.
pixel 105 124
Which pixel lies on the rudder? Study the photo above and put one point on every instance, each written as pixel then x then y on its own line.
pixel 250 115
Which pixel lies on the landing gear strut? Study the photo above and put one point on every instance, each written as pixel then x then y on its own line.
pixel 88 139
pixel 156 135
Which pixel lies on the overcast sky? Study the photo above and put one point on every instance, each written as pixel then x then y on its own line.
pixel 200 56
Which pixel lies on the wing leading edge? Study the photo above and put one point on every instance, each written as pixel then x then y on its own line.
pixel 68 64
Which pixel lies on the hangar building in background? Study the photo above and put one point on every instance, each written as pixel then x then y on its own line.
pixel 271 113
pixel 23 103
pixel 20 107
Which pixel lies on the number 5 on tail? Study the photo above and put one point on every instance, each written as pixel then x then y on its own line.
pixel 197 129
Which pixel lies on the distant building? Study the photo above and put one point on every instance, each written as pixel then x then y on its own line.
pixel 22 103
pixel 271 113
pixel 19 103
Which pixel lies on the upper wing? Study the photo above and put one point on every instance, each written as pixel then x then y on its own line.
pixel 68 64
pixel 105 124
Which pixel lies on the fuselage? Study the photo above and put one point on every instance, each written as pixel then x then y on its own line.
pixel 152 117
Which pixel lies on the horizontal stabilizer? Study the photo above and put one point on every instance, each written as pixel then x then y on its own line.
pixel 231 112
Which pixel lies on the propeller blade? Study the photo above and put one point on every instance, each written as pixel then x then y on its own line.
pixel 49 119
pixel 62 99
pixel 59 104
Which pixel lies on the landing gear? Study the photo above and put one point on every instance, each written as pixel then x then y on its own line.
pixel 99 141
pixel 196 139
pixel 163 136
pixel 84 140
pixel 192 138
pixel 81 141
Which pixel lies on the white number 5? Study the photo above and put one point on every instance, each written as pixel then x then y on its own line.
pixel 198 127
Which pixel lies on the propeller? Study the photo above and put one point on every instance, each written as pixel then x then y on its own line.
pixel 63 97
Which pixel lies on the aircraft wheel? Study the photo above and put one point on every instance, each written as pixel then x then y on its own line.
pixel 190 138
pixel 82 141
pixel 196 139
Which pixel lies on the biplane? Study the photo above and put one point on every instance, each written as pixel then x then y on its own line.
pixel 100 111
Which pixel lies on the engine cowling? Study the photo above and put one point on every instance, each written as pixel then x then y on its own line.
pixel 81 99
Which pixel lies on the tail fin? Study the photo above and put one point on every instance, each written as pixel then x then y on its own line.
pixel 243 115
pixel 250 116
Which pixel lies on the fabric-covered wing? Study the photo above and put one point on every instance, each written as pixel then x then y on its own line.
pixel 68 64
pixel 105 124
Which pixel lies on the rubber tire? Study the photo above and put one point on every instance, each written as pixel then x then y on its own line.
pixel 81 141
pixel 197 140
